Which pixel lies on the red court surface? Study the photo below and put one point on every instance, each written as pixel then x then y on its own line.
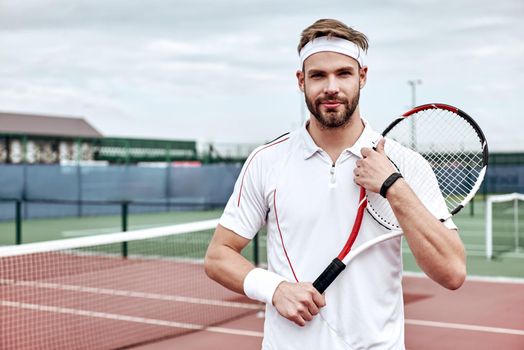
pixel 81 301
pixel 480 315
pixel 85 301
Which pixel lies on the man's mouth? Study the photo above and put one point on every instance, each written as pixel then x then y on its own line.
pixel 331 104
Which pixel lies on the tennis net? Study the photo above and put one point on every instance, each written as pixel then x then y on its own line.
pixel 504 223
pixel 112 291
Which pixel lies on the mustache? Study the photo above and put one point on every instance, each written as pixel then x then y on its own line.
pixel 332 99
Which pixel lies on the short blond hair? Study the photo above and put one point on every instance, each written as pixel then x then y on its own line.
pixel 332 28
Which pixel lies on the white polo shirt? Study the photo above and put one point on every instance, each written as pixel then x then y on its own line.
pixel 309 205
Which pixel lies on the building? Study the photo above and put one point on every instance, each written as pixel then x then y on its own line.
pixel 29 138
pixel 38 139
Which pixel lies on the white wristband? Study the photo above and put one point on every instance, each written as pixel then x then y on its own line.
pixel 261 284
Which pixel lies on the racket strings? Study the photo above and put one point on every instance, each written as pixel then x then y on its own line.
pixel 438 130
pixel 466 171
pixel 451 147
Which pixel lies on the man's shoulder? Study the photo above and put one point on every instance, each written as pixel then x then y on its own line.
pixel 274 150
pixel 394 148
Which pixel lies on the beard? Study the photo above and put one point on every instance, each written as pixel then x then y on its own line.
pixel 333 118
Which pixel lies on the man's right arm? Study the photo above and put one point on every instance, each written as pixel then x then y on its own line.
pixel 298 302
pixel 224 263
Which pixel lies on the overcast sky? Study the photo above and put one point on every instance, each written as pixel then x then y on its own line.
pixel 224 71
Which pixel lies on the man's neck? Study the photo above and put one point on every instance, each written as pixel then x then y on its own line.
pixel 335 140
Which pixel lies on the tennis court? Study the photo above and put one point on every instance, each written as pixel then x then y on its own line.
pixel 152 293
pixel 112 291
pixel 436 319
pixel 509 262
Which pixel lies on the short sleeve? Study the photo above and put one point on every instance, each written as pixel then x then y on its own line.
pixel 246 210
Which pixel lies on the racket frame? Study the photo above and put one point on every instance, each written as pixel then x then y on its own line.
pixel 476 128
pixel 347 255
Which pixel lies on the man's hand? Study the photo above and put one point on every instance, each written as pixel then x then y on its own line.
pixel 298 302
pixel 374 168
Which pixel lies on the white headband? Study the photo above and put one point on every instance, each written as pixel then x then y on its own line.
pixel 332 44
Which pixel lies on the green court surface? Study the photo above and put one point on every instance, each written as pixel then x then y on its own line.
pixel 38 230
pixel 187 245
pixel 471 228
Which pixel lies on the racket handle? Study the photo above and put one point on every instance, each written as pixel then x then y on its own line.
pixel 329 275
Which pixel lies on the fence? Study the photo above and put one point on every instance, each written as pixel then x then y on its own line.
pixel 168 187
pixel 205 186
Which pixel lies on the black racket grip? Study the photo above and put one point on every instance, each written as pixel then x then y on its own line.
pixel 329 275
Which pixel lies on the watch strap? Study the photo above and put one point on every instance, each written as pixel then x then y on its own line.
pixel 388 183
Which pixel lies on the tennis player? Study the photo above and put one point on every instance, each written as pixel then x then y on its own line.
pixel 304 186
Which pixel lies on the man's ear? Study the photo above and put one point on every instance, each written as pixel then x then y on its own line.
pixel 300 80
pixel 363 76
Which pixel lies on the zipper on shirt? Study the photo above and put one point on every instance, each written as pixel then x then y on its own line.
pixel 333 178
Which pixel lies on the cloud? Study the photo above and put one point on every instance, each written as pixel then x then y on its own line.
pixel 209 66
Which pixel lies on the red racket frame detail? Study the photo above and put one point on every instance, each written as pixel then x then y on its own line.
pixel 356 226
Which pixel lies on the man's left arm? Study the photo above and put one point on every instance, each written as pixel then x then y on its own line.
pixel 438 250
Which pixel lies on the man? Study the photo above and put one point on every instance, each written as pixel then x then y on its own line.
pixel 304 186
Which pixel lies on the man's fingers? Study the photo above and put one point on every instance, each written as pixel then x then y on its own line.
pixel 306 315
pixel 312 307
pixel 313 310
pixel 380 146
pixel 298 302
pixel 365 151
pixel 319 299
pixel 299 320
pixel 300 315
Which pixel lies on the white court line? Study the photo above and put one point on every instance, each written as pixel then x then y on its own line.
pixel 104 315
pixel 465 327
pixel 474 250
pixel 233 331
pixel 474 278
pixel 504 255
pixel 131 294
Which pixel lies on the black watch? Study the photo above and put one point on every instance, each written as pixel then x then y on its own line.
pixel 388 183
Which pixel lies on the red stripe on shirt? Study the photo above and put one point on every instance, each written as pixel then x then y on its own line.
pixel 248 164
pixel 281 237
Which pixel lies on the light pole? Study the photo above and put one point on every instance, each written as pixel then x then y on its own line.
pixel 413 84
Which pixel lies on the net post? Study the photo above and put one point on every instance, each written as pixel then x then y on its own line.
pixel 79 209
pixel 472 207
pixel 256 258
pixel 489 230
pixel 516 222
pixel 18 219
pixel 167 187
pixel 124 211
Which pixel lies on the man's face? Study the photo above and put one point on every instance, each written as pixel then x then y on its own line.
pixel 331 83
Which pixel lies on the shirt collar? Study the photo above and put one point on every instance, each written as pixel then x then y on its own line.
pixel 310 147
pixel 368 138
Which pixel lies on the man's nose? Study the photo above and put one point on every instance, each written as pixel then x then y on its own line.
pixel 332 86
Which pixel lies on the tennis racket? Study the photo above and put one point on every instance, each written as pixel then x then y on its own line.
pixel 442 154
